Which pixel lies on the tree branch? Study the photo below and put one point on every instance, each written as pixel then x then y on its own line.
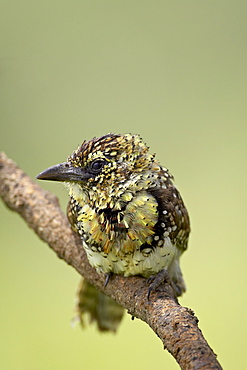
pixel 175 325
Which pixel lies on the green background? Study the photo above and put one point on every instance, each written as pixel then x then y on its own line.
pixel 172 71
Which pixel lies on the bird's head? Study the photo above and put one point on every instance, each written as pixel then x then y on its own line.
pixel 103 164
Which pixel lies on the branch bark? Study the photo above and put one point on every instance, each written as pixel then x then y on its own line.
pixel 175 325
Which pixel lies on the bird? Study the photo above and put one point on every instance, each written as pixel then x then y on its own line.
pixel 124 205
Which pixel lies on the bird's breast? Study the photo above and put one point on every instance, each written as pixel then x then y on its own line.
pixel 121 230
pixel 123 241
pixel 139 262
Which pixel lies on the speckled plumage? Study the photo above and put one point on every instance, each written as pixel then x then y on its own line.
pixel 123 203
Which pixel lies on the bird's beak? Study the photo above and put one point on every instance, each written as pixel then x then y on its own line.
pixel 63 172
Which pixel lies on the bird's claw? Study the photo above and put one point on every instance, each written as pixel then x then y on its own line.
pixel 155 281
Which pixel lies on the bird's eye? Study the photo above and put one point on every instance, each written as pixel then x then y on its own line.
pixel 97 165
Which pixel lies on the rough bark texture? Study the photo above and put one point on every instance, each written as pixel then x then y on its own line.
pixel 175 325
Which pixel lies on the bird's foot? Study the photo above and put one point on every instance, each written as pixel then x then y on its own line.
pixel 162 277
pixel 107 278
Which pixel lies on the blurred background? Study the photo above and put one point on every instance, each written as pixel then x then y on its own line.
pixel 174 72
